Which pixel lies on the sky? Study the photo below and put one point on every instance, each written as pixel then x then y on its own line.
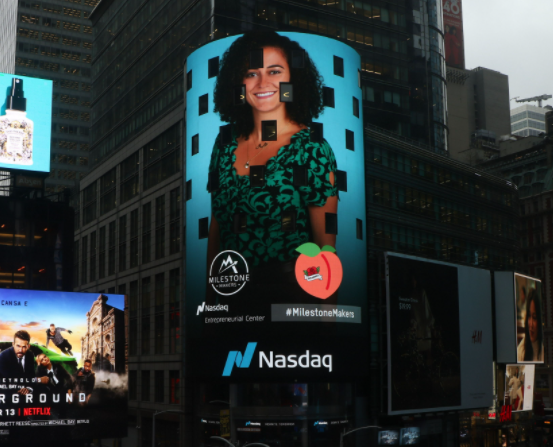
pixel 64 309
pixel 514 38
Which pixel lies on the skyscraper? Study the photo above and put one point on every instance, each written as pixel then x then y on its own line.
pixel 528 120
pixel 8 12
pixel 54 41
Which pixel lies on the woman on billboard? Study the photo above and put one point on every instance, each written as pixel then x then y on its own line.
pixel 530 348
pixel 274 182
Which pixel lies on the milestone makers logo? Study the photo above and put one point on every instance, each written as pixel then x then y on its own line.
pixel 272 360
pixel 228 273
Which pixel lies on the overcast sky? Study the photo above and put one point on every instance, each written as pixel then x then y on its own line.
pixel 513 37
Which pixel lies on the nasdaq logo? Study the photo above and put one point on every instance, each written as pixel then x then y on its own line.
pixel 241 361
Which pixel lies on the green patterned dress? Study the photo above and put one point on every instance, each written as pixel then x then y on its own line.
pixel 265 239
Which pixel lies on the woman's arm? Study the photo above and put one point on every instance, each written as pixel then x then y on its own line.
pixel 317 218
pixel 213 245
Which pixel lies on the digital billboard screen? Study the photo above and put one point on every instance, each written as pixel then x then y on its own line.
pixel 529 319
pixel 439 335
pixel 62 366
pixel 25 123
pixel 453 33
pixel 519 387
pixel 275 206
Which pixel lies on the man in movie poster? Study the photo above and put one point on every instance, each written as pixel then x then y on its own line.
pixel 424 328
pixel 47 393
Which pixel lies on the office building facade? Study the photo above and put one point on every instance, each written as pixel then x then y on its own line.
pixel 478 113
pixel 54 41
pixel 528 120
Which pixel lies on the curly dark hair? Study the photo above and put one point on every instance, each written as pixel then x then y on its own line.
pixel 308 84
pixel 528 351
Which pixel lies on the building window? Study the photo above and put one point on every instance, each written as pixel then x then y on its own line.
pixel 76 262
pixel 145 330
pixel 111 249
pixel 93 250
pixel 146 232
pixel 107 192
pixel 162 157
pixel 132 385
pixel 133 318
pixel 174 311
pixel 133 259
pixel 174 387
pixel 158 329
pixel 160 227
pixel 174 213
pixel 89 203
pixel 122 243
pixel 84 259
pixel 102 254
pixel 145 386
pixel 129 177
pixel 159 386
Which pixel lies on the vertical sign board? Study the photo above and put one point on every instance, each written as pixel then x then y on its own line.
pixel 275 262
pixel 519 387
pixel 519 318
pixel 62 366
pixel 453 29
pixel 25 123
pixel 439 336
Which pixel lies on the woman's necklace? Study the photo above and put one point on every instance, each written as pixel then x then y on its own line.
pixel 261 146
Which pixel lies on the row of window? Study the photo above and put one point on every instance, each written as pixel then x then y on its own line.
pixel 162 393
pixel 527 114
pixel 57 9
pixel 69 145
pixel 65 174
pixel 400 162
pixel 68 159
pixel 108 254
pixel 51 66
pixel 49 51
pixel 161 160
pixel 53 37
pixel 53 23
pixel 528 133
pixel 69 114
pixel 430 244
pixel 540 125
pixel 71 99
pixel 439 209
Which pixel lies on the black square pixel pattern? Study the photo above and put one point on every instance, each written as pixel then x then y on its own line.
pixel 257 176
pixel 226 134
pixel 331 223
pixel 338 66
pixel 316 132
pixel 189 80
pixel 213 181
pixel 213 67
pixel 355 107
pixel 269 130
pixel 188 190
pixel 240 222
pixel 350 140
pixel 298 58
pixel 359 228
pixel 342 180
pixel 195 144
pixel 239 95
pixel 286 92
pixel 288 221
pixel 299 174
pixel 203 228
pixel 203 104
pixel 328 97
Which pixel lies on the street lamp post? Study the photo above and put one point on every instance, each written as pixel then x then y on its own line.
pixel 154 422
pixel 355 429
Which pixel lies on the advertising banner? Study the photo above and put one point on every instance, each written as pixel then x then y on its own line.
pixel 453 29
pixel 439 336
pixel 519 387
pixel 529 322
pixel 62 366
pixel 276 250
pixel 25 123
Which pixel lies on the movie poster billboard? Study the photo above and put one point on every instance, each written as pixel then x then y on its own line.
pixel 276 244
pixel 25 123
pixel 519 387
pixel 62 366
pixel 529 319
pixel 439 336
pixel 453 33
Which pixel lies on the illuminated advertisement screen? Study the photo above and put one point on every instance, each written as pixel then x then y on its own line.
pixel 453 33
pixel 62 366
pixel 388 437
pixel 439 335
pixel 519 387
pixel 275 206
pixel 529 322
pixel 409 436
pixel 25 123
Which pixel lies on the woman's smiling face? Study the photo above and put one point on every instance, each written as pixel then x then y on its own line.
pixel 263 84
